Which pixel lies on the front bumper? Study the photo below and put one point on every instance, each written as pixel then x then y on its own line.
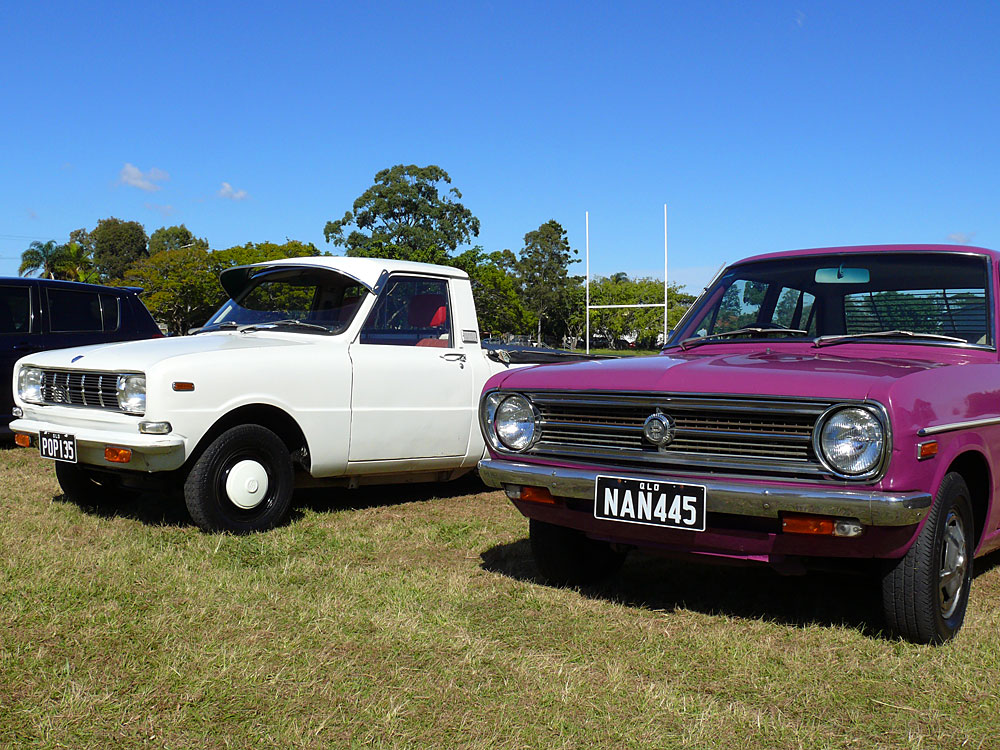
pixel 744 498
pixel 149 452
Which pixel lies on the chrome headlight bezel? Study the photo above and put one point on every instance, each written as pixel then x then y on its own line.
pixel 132 394
pixel 875 419
pixel 29 384
pixel 491 410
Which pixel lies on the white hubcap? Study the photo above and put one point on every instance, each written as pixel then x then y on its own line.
pixel 246 485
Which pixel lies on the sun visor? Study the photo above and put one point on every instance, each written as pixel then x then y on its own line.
pixel 235 280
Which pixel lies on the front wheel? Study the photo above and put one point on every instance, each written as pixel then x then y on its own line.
pixel 567 556
pixel 925 594
pixel 242 483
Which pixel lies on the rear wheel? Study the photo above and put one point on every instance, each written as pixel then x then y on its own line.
pixel 567 556
pixel 925 594
pixel 242 483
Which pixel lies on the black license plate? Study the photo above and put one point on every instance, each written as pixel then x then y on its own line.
pixel 58 446
pixel 664 504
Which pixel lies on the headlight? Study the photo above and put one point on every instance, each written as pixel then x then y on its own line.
pixel 29 385
pixel 514 423
pixel 132 393
pixel 852 441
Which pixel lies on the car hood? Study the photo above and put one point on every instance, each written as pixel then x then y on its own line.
pixel 777 373
pixel 141 355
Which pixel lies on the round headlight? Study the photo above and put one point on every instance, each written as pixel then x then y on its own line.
pixel 852 441
pixel 515 423
pixel 132 393
pixel 29 385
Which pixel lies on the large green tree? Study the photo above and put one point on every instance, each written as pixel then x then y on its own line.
pixel 117 245
pixel 543 266
pixel 43 258
pixel 496 291
pixel 408 214
pixel 645 324
pixel 174 238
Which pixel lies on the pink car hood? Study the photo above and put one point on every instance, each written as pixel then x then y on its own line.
pixel 809 373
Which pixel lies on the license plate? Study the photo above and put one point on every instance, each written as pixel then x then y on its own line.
pixel 58 446
pixel 664 504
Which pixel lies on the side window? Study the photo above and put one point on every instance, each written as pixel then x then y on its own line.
pixel 71 311
pixel 794 310
pixel 111 311
pixel 411 311
pixel 15 309
pixel 738 308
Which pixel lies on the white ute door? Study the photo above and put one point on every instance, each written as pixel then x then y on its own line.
pixel 412 392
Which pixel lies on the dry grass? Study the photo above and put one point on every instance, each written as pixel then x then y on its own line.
pixel 409 617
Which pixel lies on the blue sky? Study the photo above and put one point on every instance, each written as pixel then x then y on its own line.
pixel 763 126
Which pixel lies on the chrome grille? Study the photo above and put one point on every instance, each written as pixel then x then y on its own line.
pixel 98 390
pixel 726 434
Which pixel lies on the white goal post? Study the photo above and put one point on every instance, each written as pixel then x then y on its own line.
pixel 590 307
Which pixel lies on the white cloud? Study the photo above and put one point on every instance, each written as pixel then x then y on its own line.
pixel 132 175
pixel 961 238
pixel 161 209
pixel 228 192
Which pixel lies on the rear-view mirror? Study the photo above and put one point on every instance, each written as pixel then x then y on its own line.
pixel 842 275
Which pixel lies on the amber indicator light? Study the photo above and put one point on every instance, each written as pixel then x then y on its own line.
pixel 803 524
pixel 117 455
pixel 182 386
pixel 537 495
pixel 23 440
pixel 927 450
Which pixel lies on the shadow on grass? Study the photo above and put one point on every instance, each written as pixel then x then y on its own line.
pixel 652 582
pixel 168 509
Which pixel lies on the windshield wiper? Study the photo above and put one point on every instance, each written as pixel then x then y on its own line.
pixel 838 338
pixel 286 323
pixel 215 327
pixel 698 340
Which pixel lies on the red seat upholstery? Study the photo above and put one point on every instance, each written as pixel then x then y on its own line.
pixel 428 311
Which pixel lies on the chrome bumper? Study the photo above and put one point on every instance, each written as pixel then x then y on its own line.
pixel 745 498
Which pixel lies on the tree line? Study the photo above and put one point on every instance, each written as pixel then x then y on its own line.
pixel 409 213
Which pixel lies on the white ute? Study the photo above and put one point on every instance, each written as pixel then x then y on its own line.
pixel 346 370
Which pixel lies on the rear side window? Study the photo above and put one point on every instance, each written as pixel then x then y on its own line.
pixel 15 309
pixel 73 311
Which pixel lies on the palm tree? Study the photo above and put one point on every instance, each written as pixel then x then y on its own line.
pixel 75 263
pixel 43 257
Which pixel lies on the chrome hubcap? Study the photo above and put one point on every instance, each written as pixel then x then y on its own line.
pixel 954 562
pixel 246 484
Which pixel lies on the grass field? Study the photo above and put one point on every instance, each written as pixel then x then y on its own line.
pixel 410 617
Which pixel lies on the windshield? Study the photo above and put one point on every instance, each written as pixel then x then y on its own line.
pixel 326 300
pixel 927 298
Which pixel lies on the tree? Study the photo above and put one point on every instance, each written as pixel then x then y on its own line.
pixel 174 238
pixel 180 290
pixel 258 252
pixel 543 266
pixel 117 245
pixel 644 323
pixel 495 290
pixel 404 216
pixel 43 257
pixel 76 263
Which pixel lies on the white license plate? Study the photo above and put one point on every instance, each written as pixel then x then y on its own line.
pixel 58 446
pixel 665 504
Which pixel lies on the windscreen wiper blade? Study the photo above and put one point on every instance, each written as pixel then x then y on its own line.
pixel 215 327
pixel 838 338
pixel 699 340
pixel 286 323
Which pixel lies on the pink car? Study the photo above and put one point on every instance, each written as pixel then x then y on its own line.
pixel 830 404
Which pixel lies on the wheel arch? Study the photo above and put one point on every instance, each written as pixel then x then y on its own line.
pixel 277 420
pixel 975 470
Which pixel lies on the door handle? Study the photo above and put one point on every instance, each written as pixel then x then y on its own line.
pixel 453 357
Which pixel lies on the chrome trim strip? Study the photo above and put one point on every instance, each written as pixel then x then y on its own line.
pixel 950 427
pixel 871 507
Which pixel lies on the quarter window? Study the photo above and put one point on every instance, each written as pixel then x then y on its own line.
pixel 72 311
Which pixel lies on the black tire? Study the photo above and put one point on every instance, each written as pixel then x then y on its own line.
pixel 568 557
pixel 85 486
pixel 920 600
pixel 215 496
